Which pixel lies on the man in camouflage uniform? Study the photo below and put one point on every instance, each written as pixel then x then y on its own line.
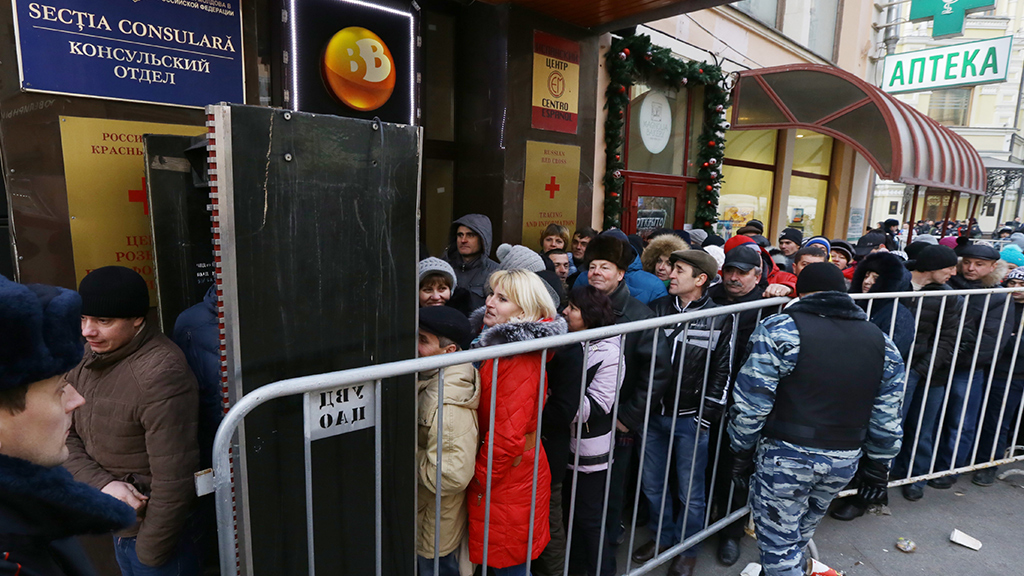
pixel 807 427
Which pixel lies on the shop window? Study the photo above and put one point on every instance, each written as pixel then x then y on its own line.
pixel 749 175
pixel 806 208
pixel 660 138
pixel 812 153
pixel 950 107
pixel 894 207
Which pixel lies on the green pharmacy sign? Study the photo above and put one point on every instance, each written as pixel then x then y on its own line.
pixel 949 15
pixel 966 64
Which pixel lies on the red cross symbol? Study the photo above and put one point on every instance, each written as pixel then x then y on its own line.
pixel 140 196
pixel 552 187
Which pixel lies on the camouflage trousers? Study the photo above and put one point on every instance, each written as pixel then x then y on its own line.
pixel 790 492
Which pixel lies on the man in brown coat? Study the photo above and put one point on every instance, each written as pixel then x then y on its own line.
pixel 135 438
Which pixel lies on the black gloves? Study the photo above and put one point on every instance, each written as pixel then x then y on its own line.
pixel 742 468
pixel 874 478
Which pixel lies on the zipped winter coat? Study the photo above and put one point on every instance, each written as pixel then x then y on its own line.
pixel 638 349
pixel 987 337
pixel 564 378
pixel 460 441
pixel 472 275
pixel 515 446
pixel 892 277
pixel 603 379
pixel 929 328
pixel 691 343
pixel 138 425
pixel 746 321
pixel 42 510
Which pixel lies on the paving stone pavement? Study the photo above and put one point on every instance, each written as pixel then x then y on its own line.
pixel 867 545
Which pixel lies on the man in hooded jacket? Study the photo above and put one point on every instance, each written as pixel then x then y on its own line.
pixel 469 247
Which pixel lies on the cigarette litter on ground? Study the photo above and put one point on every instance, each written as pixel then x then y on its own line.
pixel 752 569
pixel 962 539
pixel 905 545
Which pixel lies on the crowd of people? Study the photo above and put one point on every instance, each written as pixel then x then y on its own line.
pixel 106 438
pixel 736 374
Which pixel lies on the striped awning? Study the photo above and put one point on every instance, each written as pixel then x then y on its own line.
pixel 900 143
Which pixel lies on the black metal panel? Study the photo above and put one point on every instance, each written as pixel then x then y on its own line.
pixel 182 240
pixel 325 225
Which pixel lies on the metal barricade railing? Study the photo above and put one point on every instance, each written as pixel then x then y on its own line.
pixel 723 508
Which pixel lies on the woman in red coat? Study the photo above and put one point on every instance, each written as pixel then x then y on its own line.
pixel 518 309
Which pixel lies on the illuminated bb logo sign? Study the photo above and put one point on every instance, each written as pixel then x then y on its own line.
pixel 358 68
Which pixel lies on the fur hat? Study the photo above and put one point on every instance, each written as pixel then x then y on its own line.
pixel 663 245
pixel 41 335
pixel 519 257
pixel 608 247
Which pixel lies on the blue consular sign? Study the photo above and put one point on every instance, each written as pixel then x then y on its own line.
pixel 177 52
pixel 967 64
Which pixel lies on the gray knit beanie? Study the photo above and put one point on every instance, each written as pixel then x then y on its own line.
pixel 436 265
pixel 698 236
pixel 519 257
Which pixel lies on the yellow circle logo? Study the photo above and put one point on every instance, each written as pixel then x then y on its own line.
pixel 359 69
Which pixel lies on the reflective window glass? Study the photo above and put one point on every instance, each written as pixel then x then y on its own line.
pixel 654 212
pixel 751 145
pixel 764 10
pixel 949 107
pixel 746 194
pixel 812 153
pixel 806 209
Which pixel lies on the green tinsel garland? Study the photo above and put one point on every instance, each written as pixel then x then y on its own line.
pixel 633 59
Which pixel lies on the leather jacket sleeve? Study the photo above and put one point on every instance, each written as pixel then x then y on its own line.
pixel 634 409
pixel 717 389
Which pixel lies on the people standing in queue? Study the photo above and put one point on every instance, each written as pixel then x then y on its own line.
pixel 804 429
pixel 444 330
pixel 135 437
pixel 700 365
pixel 518 309
pixel 590 308
pixel 42 509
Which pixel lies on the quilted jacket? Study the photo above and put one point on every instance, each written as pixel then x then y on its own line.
pixel 138 425
pixel 515 421
pixel 458 454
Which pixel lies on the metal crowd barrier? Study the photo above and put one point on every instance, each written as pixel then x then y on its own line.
pixel 226 435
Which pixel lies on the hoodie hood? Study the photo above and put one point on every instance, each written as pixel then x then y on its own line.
pixel 477 223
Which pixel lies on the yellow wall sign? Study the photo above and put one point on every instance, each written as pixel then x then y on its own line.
pixel 550 189
pixel 556 83
pixel 104 170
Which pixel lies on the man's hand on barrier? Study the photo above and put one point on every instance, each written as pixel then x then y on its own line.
pixel 622 427
pixel 742 468
pixel 126 493
pixel 774 290
pixel 874 479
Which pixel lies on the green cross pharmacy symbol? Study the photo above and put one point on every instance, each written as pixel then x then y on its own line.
pixel 949 15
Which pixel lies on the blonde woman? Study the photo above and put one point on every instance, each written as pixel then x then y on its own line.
pixel 517 309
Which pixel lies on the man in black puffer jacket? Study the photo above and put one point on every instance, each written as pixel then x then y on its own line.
pixel 700 364
pixel 930 360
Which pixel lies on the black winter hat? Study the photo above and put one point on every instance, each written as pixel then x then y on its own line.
pixel 41 335
pixel 609 247
pixel 793 235
pixel 713 240
pixel 869 242
pixel 756 224
pixel 979 251
pixel 915 248
pixel 820 277
pixel 933 258
pixel 446 322
pixel 114 292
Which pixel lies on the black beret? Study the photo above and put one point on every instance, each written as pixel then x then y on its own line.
pixel 446 322
pixel 979 251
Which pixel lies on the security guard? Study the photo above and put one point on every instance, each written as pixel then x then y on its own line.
pixel 804 425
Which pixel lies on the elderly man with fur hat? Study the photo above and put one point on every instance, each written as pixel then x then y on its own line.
pixel 135 438
pixel 42 508
pixel 980 268
pixel 643 286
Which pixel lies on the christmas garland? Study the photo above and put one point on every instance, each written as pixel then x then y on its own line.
pixel 633 59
